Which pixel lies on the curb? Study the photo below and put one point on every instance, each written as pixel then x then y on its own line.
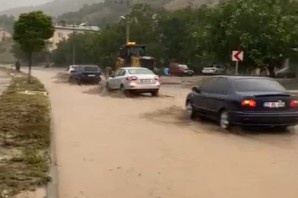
pixel 170 83
pixel 52 187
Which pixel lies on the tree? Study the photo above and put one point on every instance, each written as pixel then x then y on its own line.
pixel 31 31
pixel 263 29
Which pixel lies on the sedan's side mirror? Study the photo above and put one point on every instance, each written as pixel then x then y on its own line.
pixel 195 89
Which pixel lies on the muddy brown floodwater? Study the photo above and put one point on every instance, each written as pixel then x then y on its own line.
pixel 142 147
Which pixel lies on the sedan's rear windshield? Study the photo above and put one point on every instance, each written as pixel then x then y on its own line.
pixel 257 85
pixel 140 71
pixel 91 68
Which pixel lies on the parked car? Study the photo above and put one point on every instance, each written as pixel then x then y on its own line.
pixel 214 70
pixel 243 101
pixel 176 69
pixel 134 79
pixel 86 74
pixel 285 73
pixel 72 68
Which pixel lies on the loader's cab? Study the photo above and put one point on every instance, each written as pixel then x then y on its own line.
pixel 133 55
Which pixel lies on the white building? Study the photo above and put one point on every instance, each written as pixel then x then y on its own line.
pixel 4 35
pixel 63 32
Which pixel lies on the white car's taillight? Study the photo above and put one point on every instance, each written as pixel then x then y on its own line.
pixel 131 78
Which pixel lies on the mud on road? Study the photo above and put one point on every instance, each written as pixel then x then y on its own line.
pixel 141 147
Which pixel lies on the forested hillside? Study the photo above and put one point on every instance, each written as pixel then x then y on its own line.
pixel 53 8
pixel 106 12
pixel 267 33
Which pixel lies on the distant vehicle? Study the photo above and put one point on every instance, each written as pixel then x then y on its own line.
pixel 243 101
pixel 285 73
pixel 214 70
pixel 176 69
pixel 86 74
pixel 72 68
pixel 134 79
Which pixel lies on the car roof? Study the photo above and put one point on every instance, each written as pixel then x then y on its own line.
pixel 134 68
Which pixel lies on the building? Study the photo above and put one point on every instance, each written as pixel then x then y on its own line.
pixel 63 32
pixel 4 35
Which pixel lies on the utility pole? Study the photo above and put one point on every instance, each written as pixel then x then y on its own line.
pixel 73 45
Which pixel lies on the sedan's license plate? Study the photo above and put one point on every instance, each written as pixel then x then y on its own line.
pixel 278 104
pixel 146 81
pixel 91 75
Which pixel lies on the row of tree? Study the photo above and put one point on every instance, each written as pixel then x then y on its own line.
pixel 267 31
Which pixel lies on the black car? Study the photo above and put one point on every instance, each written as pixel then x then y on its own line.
pixel 243 101
pixel 86 74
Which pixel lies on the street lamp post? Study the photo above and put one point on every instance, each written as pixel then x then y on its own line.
pixel 127 28
pixel 73 45
pixel 127 3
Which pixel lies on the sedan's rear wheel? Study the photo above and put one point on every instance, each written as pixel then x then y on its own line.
pixel 224 120
pixel 154 93
pixel 190 112
pixel 108 87
pixel 79 82
pixel 124 91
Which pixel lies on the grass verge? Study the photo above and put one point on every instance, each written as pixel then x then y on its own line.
pixel 24 137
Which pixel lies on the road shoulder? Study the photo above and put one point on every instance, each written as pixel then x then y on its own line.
pixel 24 137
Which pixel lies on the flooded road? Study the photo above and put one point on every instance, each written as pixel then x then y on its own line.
pixel 110 146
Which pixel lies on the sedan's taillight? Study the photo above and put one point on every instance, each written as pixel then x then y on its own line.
pixel 131 78
pixel 156 78
pixel 248 103
pixel 294 103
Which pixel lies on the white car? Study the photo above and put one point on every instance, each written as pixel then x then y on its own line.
pixel 72 68
pixel 134 79
pixel 213 70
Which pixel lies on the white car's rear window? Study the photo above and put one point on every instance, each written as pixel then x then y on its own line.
pixel 139 71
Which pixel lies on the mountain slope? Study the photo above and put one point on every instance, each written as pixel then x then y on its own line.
pixel 5 5
pixel 59 7
pixel 101 14
pixel 53 8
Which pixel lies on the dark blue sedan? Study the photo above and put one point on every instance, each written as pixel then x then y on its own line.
pixel 243 101
pixel 86 73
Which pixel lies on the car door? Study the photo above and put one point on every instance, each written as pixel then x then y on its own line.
pixel 112 80
pixel 208 95
pixel 77 73
pixel 217 96
pixel 201 98
pixel 117 79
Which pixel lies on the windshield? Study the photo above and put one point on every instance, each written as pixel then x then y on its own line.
pixel 91 68
pixel 136 51
pixel 257 85
pixel 140 71
pixel 183 66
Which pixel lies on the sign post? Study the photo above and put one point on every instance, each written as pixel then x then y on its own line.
pixel 237 56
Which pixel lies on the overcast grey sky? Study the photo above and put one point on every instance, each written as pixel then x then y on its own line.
pixel 6 4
